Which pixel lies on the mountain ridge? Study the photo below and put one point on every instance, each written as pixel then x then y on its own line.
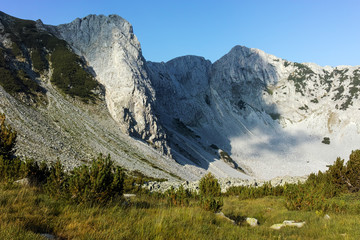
pixel 248 114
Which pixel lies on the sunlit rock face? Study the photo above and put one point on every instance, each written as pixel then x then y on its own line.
pixel 110 47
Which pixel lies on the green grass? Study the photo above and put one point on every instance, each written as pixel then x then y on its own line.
pixel 26 212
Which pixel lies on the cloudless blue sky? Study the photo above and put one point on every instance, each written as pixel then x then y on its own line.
pixel 322 31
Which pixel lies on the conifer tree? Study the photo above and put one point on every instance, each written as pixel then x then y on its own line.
pixel 353 171
pixel 210 193
pixel 7 139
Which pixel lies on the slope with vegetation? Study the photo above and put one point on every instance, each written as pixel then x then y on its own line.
pixel 33 52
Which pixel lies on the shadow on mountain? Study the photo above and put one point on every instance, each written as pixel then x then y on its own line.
pixel 203 105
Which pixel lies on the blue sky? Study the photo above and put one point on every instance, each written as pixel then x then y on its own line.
pixel 322 31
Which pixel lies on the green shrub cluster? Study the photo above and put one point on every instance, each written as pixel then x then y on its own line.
pixel 210 193
pixel 99 183
pixel 179 197
pixel 252 192
pixel 16 81
pixel 299 76
pixel 318 192
pixel 326 140
pixel 7 138
pixel 38 60
pixel 68 75
pixel 134 180
pixel 12 168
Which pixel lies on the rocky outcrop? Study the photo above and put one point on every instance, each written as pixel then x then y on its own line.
pixel 225 183
pixel 110 47
pixel 270 115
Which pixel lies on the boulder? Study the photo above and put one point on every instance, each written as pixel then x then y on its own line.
pixel 253 222
pixel 285 223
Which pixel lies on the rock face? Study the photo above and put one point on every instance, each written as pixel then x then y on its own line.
pixel 57 125
pixel 270 115
pixel 112 50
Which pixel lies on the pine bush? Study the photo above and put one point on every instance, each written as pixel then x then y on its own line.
pixel 210 193
pixel 99 183
pixel 7 139
pixel 57 182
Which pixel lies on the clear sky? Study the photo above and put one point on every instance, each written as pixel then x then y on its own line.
pixel 322 31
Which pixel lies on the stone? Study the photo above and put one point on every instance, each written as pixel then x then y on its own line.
pixel 221 214
pixel 129 195
pixel 327 217
pixel 48 235
pixel 290 223
pixel 253 222
pixel 23 182
pixel 277 226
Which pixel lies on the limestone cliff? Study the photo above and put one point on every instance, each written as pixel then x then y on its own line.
pixel 110 47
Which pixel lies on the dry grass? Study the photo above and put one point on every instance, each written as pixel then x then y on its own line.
pixel 26 212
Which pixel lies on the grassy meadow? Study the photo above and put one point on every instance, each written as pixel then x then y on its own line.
pixel 26 213
pixel 88 203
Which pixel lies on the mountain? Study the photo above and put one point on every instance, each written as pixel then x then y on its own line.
pixel 82 88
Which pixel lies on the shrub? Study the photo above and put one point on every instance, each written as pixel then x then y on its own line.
pixel 69 74
pixel 16 81
pixel 99 183
pixel 212 204
pixel 250 192
pixel 316 193
pixel 10 169
pixel 304 197
pixel 134 180
pixel 7 139
pixel 353 171
pixel 326 140
pixel 179 197
pixel 57 182
pixel 38 60
pixel 209 186
pixel 337 176
pixel 37 173
pixel 210 193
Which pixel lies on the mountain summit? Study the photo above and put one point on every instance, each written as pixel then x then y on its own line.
pixel 249 114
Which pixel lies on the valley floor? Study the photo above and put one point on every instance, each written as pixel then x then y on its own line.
pixel 27 213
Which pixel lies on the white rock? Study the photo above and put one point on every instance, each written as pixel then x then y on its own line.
pixel 113 51
pixel 253 222
pixel 277 226
pixel 290 223
pixel 23 181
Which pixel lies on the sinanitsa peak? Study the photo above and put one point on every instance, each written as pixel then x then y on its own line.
pixel 85 88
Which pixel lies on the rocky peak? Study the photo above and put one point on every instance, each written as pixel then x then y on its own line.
pixel 113 51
